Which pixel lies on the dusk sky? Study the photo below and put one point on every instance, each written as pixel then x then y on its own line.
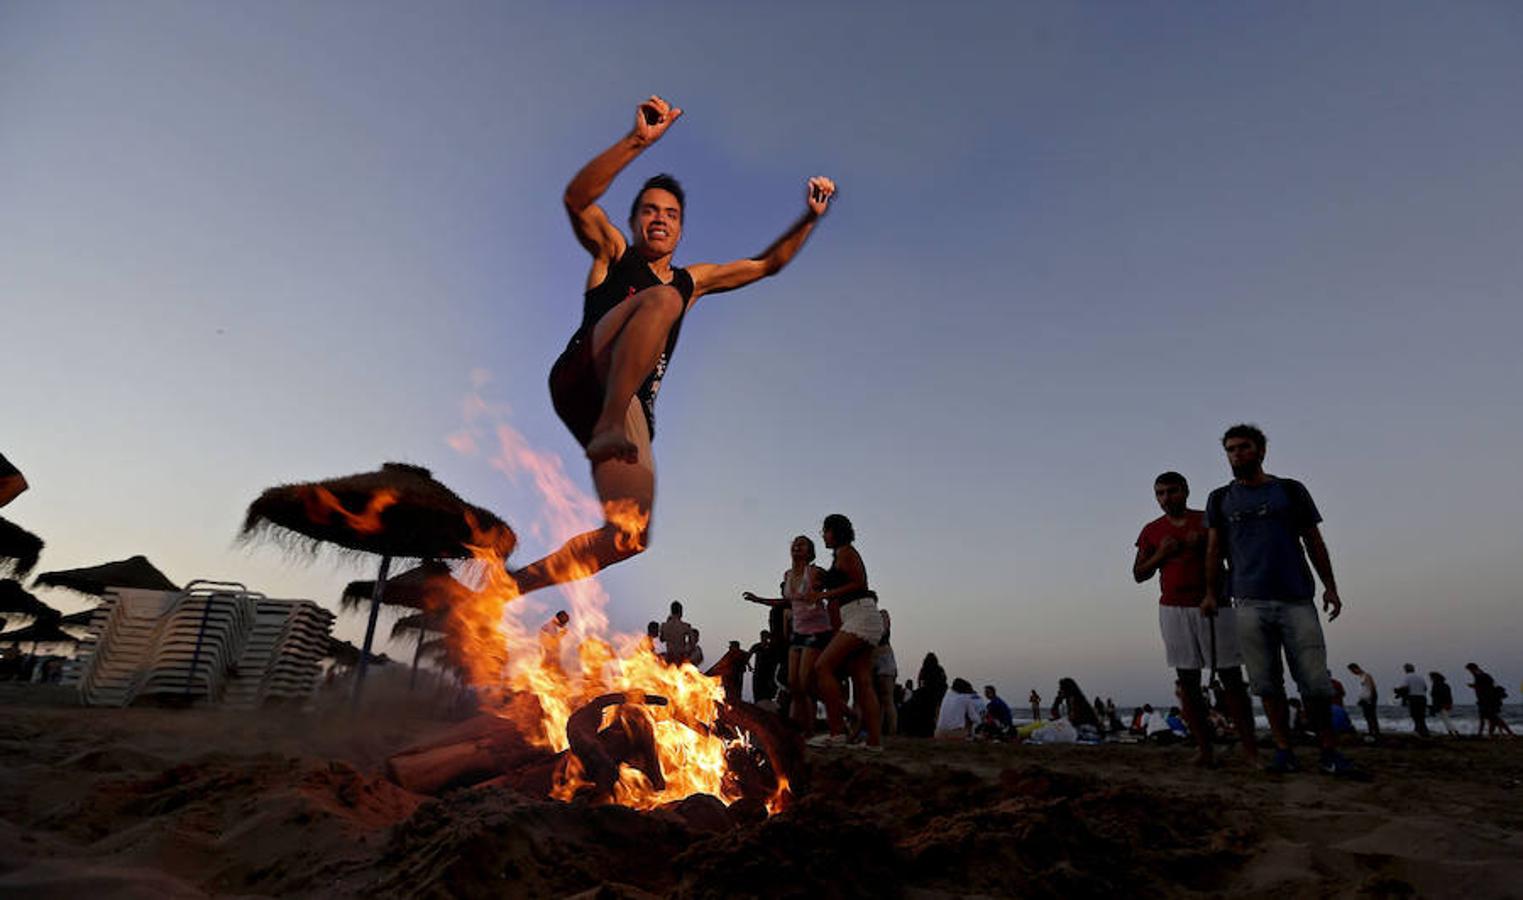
pixel 246 244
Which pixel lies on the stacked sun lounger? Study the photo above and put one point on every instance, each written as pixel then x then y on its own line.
pixel 209 643
pixel 283 657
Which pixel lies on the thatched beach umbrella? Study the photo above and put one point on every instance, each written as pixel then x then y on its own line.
pixel 16 601
pixel 43 631
pixel 133 572
pixel 399 511
pixel 19 548
pixel 346 654
pixel 430 588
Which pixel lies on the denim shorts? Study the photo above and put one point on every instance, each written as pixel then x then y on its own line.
pixel 1267 628
pixel 818 640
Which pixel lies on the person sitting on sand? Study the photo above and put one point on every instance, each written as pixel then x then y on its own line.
pixel 1071 704
pixel 998 719
pixel 811 628
pixel 604 384
pixel 961 712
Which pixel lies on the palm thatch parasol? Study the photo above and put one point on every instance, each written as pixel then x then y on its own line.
pixel 14 599
pixel 346 654
pixel 44 630
pixel 398 511
pixel 429 586
pixel 19 548
pixel 424 623
pixel 133 572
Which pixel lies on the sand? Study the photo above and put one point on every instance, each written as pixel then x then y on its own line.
pixel 168 804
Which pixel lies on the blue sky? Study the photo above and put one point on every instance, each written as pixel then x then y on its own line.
pixel 242 245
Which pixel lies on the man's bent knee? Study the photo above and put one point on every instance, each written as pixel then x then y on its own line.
pixel 663 297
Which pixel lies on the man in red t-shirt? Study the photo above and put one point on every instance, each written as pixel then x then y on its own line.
pixel 1174 546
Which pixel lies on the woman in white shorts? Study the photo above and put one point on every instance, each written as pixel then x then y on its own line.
pixel 844 586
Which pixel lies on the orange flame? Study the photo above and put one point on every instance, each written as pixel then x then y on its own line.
pixel 506 658
pixel 322 507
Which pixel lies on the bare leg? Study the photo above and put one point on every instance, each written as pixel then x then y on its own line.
pixel 800 662
pixel 1193 705
pixel 625 349
pixel 1240 705
pixel 628 491
pixel 832 659
pixel 866 695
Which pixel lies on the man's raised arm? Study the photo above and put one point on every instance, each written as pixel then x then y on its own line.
pixel 712 278
pixel 591 224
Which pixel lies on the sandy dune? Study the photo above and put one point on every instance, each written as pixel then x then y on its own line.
pixel 168 804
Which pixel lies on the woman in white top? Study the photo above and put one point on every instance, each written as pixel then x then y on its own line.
pixel 811 628
pixel 961 711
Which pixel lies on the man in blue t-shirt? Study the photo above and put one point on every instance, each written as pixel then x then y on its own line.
pixel 1266 528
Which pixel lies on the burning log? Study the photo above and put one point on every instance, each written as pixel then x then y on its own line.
pixel 476 750
pixel 781 748
pixel 629 740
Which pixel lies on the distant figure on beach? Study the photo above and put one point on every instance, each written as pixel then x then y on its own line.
pixel 886 676
pixel 918 719
pixel 1174 546
pixel 998 719
pixel 678 636
pixel 1071 704
pixel 1259 523
pixel 604 384
pixel 652 640
pixel 731 671
pixel 550 635
pixel 1488 702
pixel 1442 700
pixel 810 626
pixel 961 712
pixel 850 651
pixel 695 652
pixel 1035 700
pixel 1415 695
pixel 764 655
pixel 12 482
pixel 1369 698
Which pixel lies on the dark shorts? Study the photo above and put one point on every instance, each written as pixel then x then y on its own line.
pixel 817 641
pixel 575 390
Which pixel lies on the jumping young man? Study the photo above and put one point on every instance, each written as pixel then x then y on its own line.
pixel 1266 527
pixel 604 384
pixel 1174 546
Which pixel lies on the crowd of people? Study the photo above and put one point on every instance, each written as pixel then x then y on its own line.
pixel 1237 592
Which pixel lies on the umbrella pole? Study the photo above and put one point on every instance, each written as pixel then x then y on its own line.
pixel 375 612
pixel 417 656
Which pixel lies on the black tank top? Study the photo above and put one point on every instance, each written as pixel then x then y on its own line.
pixel 834 578
pixel 629 275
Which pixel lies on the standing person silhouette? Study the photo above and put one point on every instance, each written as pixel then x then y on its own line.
pixel 604 384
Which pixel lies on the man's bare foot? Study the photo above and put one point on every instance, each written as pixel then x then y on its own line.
pixel 612 444
pixel 1203 759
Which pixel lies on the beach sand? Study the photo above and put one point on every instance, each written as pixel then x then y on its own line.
pixel 166 804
